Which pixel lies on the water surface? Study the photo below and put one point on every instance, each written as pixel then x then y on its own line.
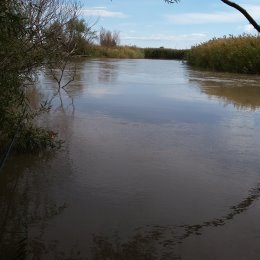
pixel 160 162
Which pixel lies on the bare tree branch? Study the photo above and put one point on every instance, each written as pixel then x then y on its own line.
pixel 244 12
pixel 234 5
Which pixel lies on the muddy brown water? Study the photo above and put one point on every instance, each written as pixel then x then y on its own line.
pixel 160 161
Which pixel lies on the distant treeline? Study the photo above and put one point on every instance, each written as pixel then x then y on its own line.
pixel 163 53
pixel 132 52
pixel 229 54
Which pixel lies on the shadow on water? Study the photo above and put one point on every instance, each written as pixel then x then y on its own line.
pixel 26 191
pixel 160 242
pixel 20 212
pixel 26 199
pixel 22 207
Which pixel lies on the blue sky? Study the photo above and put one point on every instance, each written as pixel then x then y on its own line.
pixel 153 23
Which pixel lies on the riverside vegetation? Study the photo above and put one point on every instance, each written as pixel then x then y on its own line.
pixel 239 54
pixel 34 35
pixel 132 52
pixel 228 54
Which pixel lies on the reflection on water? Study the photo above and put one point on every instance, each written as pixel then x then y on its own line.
pixel 22 207
pixel 108 71
pixel 151 164
pixel 241 91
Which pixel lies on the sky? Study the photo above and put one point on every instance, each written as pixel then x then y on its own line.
pixel 153 23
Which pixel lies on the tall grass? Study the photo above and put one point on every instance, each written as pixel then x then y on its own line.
pixel 230 54
pixel 120 52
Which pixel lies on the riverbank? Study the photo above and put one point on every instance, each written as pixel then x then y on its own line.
pixel 239 54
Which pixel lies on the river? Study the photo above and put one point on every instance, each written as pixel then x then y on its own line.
pixel 160 161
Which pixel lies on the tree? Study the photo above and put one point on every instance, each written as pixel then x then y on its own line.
pixel 83 33
pixel 31 34
pixel 108 38
pixel 237 7
pixel 72 38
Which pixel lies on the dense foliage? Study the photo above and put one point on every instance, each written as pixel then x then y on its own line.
pixel 230 54
pixel 163 53
pixel 32 34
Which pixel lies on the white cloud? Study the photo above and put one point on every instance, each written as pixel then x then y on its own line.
pixel 254 10
pixel 101 11
pixel 247 28
pixel 179 41
pixel 202 18
pixel 166 37
pixel 215 17
pixel 99 7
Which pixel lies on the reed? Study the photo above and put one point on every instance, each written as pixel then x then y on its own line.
pixel 230 54
pixel 120 52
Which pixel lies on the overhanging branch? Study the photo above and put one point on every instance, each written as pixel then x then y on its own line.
pixel 234 5
pixel 244 12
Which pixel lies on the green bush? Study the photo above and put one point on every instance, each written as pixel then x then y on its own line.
pixel 230 54
pixel 34 140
